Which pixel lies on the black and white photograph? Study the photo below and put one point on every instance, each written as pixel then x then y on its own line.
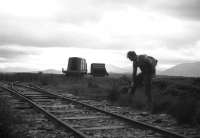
pixel 99 69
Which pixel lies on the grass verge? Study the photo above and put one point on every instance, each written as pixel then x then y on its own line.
pixel 9 121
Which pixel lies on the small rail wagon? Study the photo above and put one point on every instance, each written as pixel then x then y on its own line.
pixel 98 69
pixel 76 67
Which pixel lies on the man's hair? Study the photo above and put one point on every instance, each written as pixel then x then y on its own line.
pixel 131 54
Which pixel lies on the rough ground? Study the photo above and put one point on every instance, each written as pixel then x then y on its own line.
pixel 176 99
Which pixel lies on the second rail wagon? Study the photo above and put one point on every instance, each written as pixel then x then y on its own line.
pixel 76 67
pixel 98 69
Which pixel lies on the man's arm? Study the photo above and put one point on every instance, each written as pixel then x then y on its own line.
pixel 133 84
pixel 134 72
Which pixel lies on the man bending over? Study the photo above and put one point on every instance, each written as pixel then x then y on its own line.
pixel 147 65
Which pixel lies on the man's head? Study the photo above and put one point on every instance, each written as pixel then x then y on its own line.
pixel 132 55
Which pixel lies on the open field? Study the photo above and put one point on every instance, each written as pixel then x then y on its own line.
pixel 177 96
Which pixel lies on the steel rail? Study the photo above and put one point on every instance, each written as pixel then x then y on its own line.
pixel 129 120
pixel 49 115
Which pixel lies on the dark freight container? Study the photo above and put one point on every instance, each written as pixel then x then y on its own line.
pixel 76 66
pixel 98 69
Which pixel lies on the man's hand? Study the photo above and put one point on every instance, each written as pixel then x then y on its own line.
pixel 132 84
pixel 131 89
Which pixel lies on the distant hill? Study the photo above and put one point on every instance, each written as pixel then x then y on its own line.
pixel 185 69
pixel 51 71
pixel 21 69
pixel 115 69
pixel 15 69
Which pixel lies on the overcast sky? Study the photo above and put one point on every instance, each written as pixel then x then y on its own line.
pixel 42 34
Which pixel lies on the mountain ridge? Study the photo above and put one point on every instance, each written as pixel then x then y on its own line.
pixel 183 69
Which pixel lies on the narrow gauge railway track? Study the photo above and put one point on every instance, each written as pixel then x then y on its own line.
pixel 28 122
pixel 25 103
pixel 89 121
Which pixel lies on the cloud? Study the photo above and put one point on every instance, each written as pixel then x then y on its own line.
pixel 78 12
pixel 186 9
pixel 53 24
pixel 41 33
pixel 95 24
pixel 158 28
pixel 15 53
pixel 75 11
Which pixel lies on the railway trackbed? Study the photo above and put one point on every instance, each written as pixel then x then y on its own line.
pixel 22 120
pixel 85 120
